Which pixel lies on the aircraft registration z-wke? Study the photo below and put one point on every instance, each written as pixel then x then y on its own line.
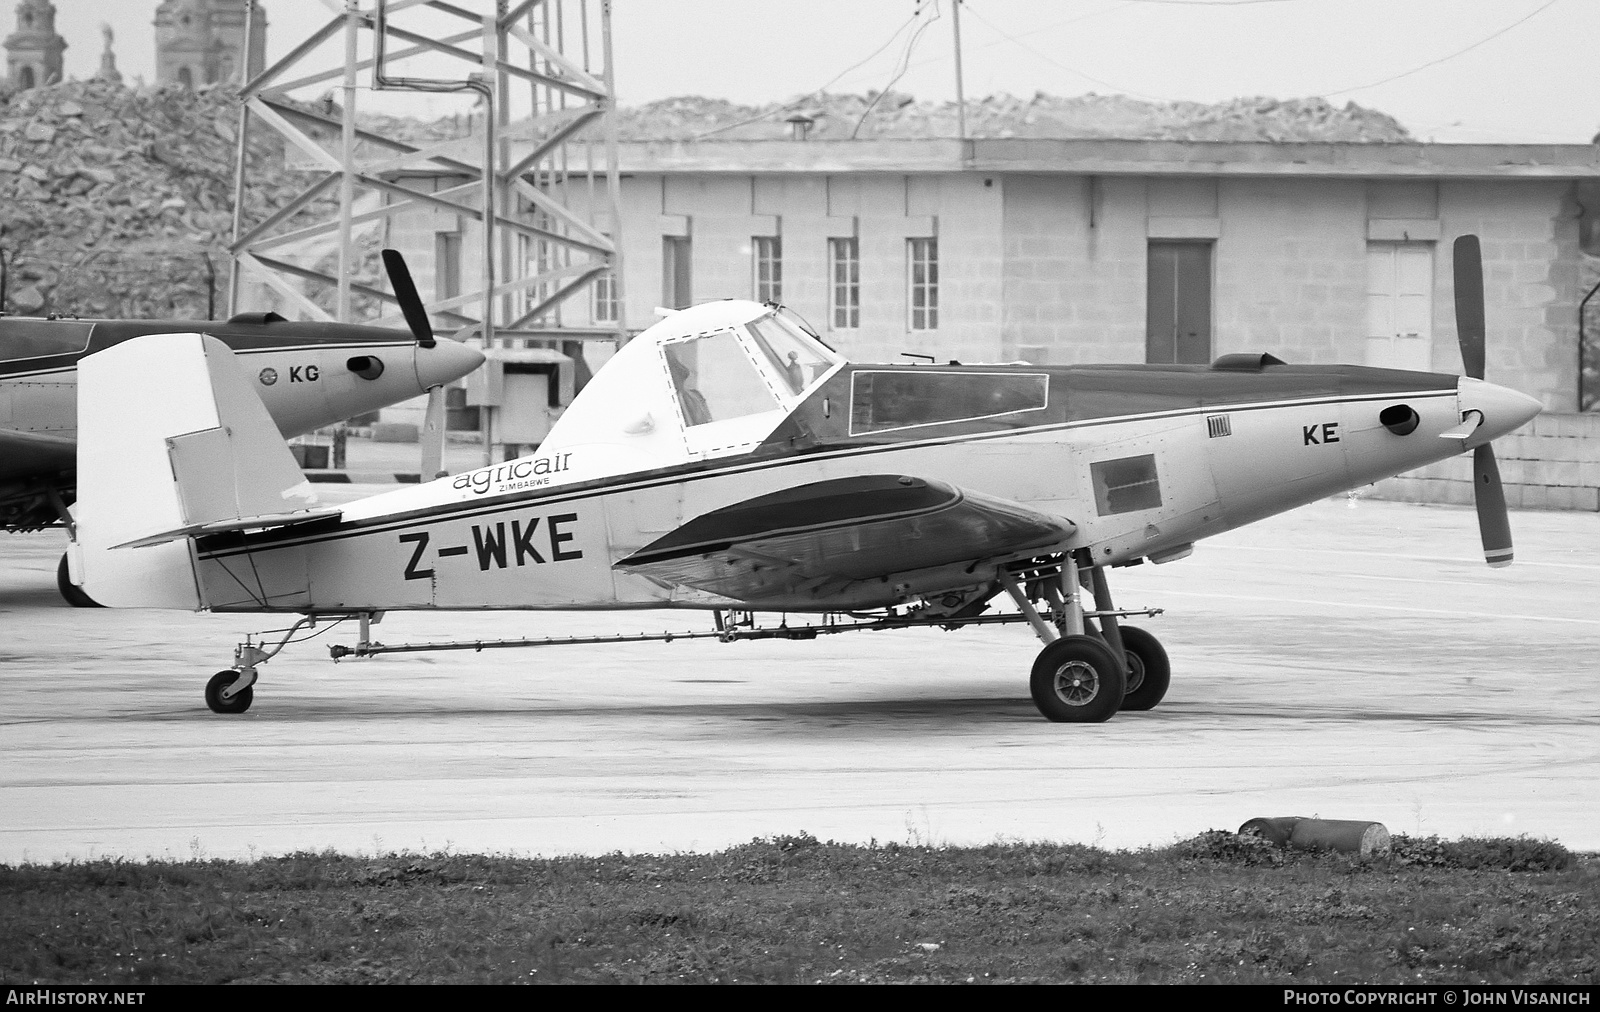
pixel 727 460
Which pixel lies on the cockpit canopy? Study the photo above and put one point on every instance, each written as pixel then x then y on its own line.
pixel 711 381
pixel 765 365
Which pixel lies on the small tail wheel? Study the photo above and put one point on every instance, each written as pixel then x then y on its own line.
pixel 1077 680
pixel 1149 671
pixel 71 592
pixel 221 680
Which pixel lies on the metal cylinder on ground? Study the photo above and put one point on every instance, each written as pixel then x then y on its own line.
pixel 1347 836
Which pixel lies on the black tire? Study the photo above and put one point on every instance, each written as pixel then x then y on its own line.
pixel 220 681
pixel 71 592
pixel 1149 671
pixel 1077 680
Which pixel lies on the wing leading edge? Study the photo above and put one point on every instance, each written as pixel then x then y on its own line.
pixel 814 540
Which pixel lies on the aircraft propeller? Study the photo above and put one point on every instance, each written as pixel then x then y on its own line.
pixel 1488 495
pixel 405 293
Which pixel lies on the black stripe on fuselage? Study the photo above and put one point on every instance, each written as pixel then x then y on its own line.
pixel 768 457
pixel 244 338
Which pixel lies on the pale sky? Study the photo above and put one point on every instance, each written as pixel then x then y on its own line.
pixel 1461 70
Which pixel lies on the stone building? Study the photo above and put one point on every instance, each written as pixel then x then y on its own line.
pixel 202 41
pixel 1067 251
pixel 33 51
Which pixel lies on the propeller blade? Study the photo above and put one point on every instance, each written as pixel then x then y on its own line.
pixel 1487 494
pixel 406 294
pixel 1469 303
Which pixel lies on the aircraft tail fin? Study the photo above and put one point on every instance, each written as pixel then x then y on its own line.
pixel 172 442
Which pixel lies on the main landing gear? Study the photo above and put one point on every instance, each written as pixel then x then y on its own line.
pixel 1084 675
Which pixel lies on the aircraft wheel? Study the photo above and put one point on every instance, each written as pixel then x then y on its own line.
pixel 221 680
pixel 1149 671
pixel 71 592
pixel 1076 680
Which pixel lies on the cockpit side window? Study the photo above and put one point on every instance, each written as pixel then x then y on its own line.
pixel 908 398
pixel 21 339
pixel 714 379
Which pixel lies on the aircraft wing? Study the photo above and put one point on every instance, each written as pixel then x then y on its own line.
pixel 865 527
pixel 28 453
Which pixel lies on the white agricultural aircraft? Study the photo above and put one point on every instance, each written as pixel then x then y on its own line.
pixel 727 460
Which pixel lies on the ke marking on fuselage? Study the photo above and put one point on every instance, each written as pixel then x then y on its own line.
pixel 728 460
pixel 1329 430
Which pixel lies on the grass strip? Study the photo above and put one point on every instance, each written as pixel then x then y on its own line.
pixel 1214 908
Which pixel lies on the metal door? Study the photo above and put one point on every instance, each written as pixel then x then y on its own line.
pixel 1178 320
pixel 1400 305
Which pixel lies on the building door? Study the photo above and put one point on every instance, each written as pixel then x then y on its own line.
pixel 1178 317
pixel 1400 305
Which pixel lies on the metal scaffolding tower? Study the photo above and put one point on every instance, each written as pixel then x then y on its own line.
pixel 543 214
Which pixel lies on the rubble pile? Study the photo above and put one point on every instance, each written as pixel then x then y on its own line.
pixel 894 114
pixel 112 199
pixel 119 202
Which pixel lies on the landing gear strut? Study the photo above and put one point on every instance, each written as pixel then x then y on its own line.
pixel 1083 675
pixel 230 690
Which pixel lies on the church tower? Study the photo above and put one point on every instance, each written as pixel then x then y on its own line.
pixel 202 41
pixel 227 39
pixel 33 51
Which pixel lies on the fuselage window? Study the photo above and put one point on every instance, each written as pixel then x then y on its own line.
pixel 900 400
pixel 715 380
pixel 21 339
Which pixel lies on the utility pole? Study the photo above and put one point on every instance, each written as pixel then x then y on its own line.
pixel 961 95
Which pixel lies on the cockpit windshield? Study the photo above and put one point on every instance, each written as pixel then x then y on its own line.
pixel 797 359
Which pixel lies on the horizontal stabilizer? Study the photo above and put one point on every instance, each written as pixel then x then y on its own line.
pixel 239 524
pixel 842 530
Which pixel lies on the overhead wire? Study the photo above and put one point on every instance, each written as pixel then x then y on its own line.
pixel 904 62
pixel 1056 63
pixel 808 96
pixel 1434 63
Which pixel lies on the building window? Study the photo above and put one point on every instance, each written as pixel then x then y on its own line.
pixel 27 77
pixel 605 298
pixel 768 251
pixel 844 290
pixel 922 258
pixel 446 266
pixel 675 292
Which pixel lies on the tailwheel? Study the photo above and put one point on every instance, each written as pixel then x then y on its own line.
pixel 1077 680
pixel 238 703
pixel 1149 671
pixel 71 592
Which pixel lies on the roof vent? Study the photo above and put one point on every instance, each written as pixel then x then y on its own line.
pixel 799 126
pixel 1242 362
